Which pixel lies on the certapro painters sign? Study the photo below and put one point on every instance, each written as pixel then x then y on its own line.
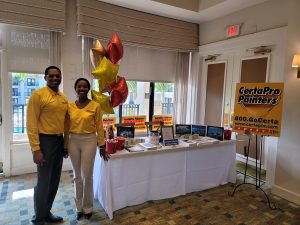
pixel 258 108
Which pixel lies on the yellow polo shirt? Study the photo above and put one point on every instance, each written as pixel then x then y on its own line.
pixel 46 112
pixel 86 120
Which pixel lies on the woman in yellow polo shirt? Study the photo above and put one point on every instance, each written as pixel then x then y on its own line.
pixel 85 130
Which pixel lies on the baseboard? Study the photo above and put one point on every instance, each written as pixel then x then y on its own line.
pixel 251 161
pixel 286 194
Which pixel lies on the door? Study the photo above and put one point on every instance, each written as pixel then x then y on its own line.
pixel 253 70
pixel 215 94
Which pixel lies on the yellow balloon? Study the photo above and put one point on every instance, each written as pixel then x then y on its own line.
pixel 106 86
pixel 96 53
pixel 104 102
pixel 99 48
pixel 95 58
pixel 106 72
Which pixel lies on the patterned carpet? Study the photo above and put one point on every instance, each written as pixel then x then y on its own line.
pixel 210 207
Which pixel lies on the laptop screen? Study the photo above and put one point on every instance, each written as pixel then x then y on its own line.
pixel 215 132
pixel 199 129
pixel 182 129
pixel 126 132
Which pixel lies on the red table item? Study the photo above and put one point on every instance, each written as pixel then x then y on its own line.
pixel 227 134
pixel 120 143
pixel 111 146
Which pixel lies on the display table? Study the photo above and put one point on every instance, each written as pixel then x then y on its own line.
pixel 131 178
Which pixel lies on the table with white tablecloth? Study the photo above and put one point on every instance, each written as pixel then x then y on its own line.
pixel 131 178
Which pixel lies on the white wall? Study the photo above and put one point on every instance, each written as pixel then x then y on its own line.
pixel 72 67
pixel 265 16
pixel 287 178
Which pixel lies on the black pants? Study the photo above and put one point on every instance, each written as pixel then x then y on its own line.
pixel 48 175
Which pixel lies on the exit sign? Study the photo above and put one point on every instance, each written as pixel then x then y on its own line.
pixel 232 31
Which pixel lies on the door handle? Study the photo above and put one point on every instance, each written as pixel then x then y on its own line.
pixel 0 119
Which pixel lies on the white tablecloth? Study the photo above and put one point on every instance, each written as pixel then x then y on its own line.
pixel 133 178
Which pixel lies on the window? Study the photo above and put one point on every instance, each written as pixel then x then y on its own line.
pixel 163 98
pixel 137 102
pixel 29 91
pixel 15 82
pixel 30 82
pixel 16 92
pixel 23 93
pixel 15 101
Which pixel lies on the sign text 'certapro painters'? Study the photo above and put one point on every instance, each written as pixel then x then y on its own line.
pixel 258 108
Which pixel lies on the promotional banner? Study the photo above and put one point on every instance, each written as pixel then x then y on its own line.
pixel 258 108
pixel 139 121
pixel 167 119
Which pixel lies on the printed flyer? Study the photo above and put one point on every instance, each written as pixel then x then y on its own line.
pixel 167 119
pixel 109 121
pixel 139 121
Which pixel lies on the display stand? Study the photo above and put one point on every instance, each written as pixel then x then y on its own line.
pixel 257 170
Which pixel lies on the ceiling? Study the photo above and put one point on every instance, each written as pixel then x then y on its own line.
pixel 196 11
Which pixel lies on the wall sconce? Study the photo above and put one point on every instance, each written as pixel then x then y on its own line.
pixel 296 63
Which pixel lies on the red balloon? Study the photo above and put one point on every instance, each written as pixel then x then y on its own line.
pixel 114 49
pixel 119 93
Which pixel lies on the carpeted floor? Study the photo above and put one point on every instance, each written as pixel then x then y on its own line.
pixel 209 207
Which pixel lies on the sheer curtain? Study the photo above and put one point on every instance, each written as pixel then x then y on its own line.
pixel 194 89
pixel 87 65
pixel 186 106
pixel 181 88
pixel 55 48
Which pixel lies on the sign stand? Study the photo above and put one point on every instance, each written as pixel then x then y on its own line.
pixel 257 170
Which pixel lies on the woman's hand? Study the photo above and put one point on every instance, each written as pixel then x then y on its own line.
pixel 103 153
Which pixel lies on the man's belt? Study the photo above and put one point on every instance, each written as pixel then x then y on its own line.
pixel 50 135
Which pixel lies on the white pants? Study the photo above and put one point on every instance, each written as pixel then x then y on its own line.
pixel 82 151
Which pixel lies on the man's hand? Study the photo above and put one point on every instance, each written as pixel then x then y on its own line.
pixel 38 158
pixel 103 153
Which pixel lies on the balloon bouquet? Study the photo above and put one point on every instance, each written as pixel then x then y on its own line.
pixel 106 65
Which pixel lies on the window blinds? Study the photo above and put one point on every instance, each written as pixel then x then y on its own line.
pixel 98 19
pixel 44 14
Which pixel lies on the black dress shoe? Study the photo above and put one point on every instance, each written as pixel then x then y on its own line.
pixel 54 219
pixel 88 215
pixel 36 221
pixel 79 215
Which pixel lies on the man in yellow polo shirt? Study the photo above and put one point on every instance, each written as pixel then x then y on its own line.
pixel 46 111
